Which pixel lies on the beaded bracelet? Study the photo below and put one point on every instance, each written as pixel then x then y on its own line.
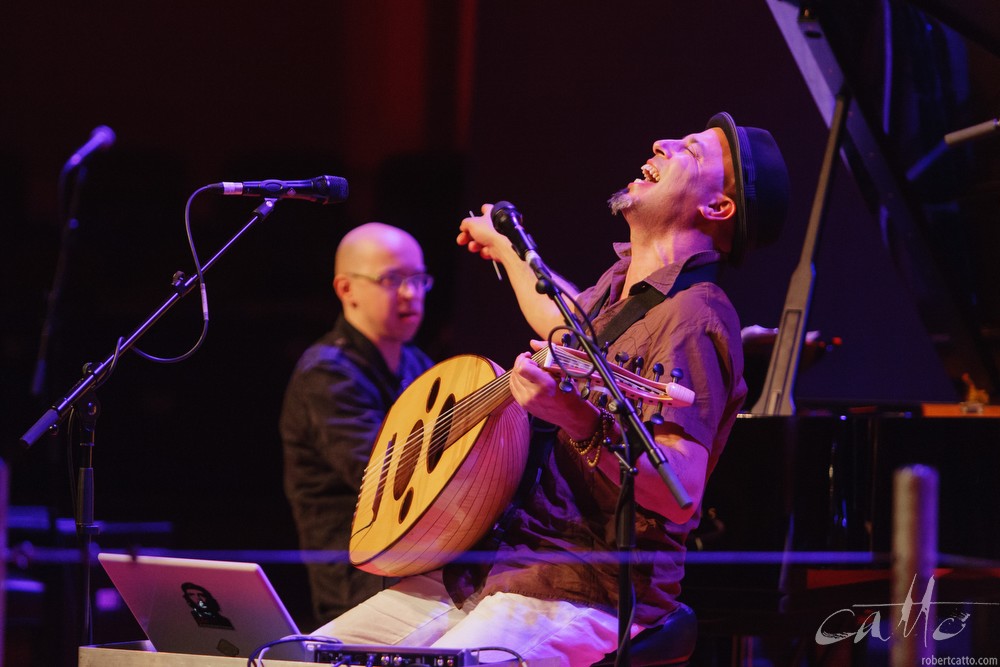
pixel 601 436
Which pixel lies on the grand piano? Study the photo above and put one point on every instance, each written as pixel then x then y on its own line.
pixel 798 514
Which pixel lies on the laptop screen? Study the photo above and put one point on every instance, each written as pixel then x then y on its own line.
pixel 204 607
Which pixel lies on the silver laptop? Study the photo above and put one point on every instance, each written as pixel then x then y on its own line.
pixel 204 607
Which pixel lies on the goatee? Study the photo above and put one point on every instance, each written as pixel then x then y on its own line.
pixel 620 201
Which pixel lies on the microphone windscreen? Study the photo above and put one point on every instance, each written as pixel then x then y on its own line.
pixel 336 187
pixel 105 137
pixel 502 216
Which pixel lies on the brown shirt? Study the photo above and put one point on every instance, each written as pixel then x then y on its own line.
pixel 561 542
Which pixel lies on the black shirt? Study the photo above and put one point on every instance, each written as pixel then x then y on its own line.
pixel 335 402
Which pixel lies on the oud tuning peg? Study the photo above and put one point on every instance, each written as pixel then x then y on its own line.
pixel 604 348
pixel 638 364
pixel 621 358
pixel 567 339
pixel 638 404
pixel 566 385
pixel 656 418
pixel 676 374
pixel 602 400
pixel 657 371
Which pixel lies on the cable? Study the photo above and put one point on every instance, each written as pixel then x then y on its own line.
pixel 201 286
pixel 517 656
pixel 258 653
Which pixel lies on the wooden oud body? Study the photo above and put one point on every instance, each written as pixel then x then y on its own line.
pixel 446 463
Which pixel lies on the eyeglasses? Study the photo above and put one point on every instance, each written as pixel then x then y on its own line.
pixel 418 282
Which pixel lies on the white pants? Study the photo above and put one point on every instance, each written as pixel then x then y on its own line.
pixel 418 612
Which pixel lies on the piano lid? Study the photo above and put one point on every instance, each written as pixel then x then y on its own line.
pixel 918 72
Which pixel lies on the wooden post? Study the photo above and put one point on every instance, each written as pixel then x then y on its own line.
pixel 914 556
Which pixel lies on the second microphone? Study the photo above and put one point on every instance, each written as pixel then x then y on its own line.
pixel 322 189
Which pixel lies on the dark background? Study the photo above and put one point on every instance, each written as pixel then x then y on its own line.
pixel 428 109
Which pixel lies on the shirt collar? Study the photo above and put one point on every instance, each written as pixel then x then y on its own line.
pixel 344 330
pixel 663 279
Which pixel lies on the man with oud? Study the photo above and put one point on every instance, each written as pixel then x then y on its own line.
pixel 552 591
pixel 340 391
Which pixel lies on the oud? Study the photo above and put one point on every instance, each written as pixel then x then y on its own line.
pixel 450 454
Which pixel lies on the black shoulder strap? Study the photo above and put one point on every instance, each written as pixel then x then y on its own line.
pixel 637 306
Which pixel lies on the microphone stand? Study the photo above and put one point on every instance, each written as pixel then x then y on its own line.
pixel 54 299
pixel 635 436
pixel 82 398
pixel 88 410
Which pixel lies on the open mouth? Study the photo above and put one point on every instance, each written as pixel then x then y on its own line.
pixel 650 174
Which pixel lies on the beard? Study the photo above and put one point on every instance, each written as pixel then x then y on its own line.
pixel 620 201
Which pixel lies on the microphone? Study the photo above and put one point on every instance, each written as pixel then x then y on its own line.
pixel 507 220
pixel 322 189
pixel 101 139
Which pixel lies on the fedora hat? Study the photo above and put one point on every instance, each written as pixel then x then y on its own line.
pixel 761 185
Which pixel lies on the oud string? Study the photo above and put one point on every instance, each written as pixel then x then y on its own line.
pixel 468 405
pixel 483 396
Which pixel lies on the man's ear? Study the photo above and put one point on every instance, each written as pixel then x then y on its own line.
pixel 721 208
pixel 342 288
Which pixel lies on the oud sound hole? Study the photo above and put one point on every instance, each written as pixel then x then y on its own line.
pixel 404 507
pixel 439 436
pixel 380 489
pixel 408 460
pixel 433 394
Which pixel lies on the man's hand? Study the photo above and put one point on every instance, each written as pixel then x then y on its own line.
pixel 478 235
pixel 538 391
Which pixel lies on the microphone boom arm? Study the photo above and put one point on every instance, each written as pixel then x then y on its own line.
pixel 94 372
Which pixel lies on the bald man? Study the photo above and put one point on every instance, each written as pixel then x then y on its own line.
pixel 339 394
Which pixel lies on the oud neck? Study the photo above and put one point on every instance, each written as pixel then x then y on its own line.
pixel 492 396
